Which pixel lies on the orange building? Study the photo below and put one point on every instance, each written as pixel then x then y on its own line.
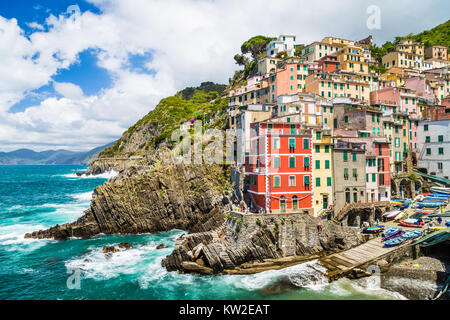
pixel 279 167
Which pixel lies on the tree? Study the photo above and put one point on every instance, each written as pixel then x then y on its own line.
pixel 298 50
pixel 241 60
pixel 255 45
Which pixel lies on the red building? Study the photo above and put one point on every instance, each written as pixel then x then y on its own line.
pixel 329 64
pixel 285 183
pixel 383 170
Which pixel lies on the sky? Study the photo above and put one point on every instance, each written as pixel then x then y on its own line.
pixel 76 74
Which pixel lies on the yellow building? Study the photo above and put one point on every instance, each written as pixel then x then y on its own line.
pixel 338 42
pixel 351 58
pixel 403 60
pixel 322 170
pixel 331 86
pixel 409 46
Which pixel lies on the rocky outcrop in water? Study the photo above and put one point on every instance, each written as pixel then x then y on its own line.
pixel 163 198
pixel 254 243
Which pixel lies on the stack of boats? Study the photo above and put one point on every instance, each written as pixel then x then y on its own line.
pixel 394 236
pixel 435 199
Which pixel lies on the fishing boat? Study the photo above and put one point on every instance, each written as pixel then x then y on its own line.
pixel 375 229
pixel 393 242
pixel 392 214
pixel 393 235
pixel 428 204
pixel 441 190
pixel 390 231
pixel 412 223
pixel 412 235
pixel 397 203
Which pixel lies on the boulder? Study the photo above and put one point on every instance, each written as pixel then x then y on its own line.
pixel 125 245
pixel 196 268
pixel 110 249
pixel 161 246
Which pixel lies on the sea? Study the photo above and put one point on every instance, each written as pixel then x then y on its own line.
pixel 38 197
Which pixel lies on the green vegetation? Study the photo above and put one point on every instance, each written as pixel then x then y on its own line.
pixel 190 103
pixel 298 49
pixel 256 48
pixel 437 36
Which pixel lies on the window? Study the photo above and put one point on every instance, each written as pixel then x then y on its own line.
pixel 345 173
pixel 374 177
pixel 441 138
pixel 305 143
pixel 276 181
pixel 276 143
pixel 291 143
pixel 355 173
pixel 317 149
pixel 428 151
pixel 327 148
pixel 317 164
pixel 317 182
pixel 425 127
pixel 354 157
pixel 269 127
pixel 306 162
pixel 345 156
pixel 427 139
pixel 291 181
pixel 441 150
pixel 327 164
pixel 328 182
pixel 307 181
pixel 292 129
pixel 319 135
pixel 276 162
pixel 346 119
pixel 291 162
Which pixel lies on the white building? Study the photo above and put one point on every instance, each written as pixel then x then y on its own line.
pixel 285 42
pixel 433 141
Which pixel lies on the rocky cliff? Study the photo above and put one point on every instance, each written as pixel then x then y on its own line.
pixel 160 198
pixel 254 243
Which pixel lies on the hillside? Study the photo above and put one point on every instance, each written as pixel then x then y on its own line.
pixel 49 157
pixel 439 35
pixel 191 103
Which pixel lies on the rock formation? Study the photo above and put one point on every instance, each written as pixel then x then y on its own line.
pixel 254 243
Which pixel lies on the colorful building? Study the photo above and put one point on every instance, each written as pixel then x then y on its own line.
pixel 279 167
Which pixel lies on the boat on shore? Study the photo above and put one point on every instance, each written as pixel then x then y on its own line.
pixel 393 242
pixel 412 223
pixel 376 229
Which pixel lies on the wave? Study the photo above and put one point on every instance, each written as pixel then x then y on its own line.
pixel 106 175
pixel 13 237
pixel 83 197
pixel 135 261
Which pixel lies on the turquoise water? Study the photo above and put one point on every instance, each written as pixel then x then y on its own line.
pixel 38 197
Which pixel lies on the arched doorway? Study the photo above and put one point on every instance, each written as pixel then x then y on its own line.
pixel 405 188
pixel 355 195
pixel 347 195
pixel 283 204
pixel 295 203
pixel 393 188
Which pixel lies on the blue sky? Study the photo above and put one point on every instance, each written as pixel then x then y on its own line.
pixel 79 81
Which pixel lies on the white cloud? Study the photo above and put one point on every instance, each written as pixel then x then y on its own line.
pixel 68 90
pixel 191 41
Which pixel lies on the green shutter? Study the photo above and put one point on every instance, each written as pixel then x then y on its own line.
pixel 345 156
pixel 328 182
pixel 276 162
pixel 353 156
pixel 305 143
pixel 276 181
pixel 307 182
pixel 317 149
pixel 306 162
pixel 292 143
pixel 317 182
pixel 291 162
pixel 327 164
pixel 317 164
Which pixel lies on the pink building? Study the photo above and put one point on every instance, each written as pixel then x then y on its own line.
pixel 419 85
pixel 399 100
